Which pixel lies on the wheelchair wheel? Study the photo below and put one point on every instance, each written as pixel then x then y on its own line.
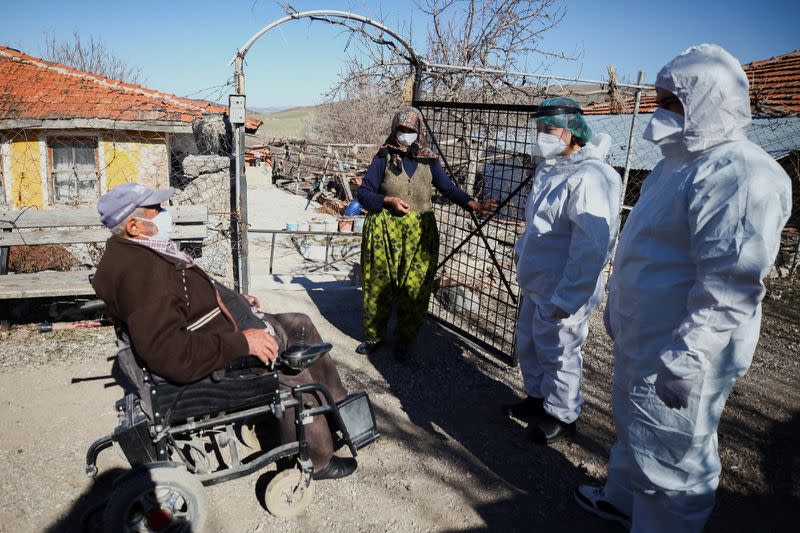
pixel 163 498
pixel 287 495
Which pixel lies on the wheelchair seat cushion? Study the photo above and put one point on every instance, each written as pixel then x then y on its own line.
pixel 236 390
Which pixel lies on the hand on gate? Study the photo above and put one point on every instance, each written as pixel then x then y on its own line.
pixel 483 208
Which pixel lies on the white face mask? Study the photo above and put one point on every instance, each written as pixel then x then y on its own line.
pixel 405 139
pixel 163 222
pixel 665 131
pixel 663 124
pixel 548 146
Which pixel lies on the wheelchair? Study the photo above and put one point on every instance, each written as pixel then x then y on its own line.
pixel 179 438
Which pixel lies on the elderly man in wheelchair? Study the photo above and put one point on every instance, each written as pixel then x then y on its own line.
pixel 205 371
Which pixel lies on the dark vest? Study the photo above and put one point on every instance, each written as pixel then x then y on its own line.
pixel 416 190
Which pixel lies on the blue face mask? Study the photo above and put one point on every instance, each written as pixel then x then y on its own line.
pixel 163 223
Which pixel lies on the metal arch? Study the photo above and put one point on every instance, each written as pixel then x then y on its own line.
pixel 325 13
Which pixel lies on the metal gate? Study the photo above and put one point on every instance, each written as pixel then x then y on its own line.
pixel 483 148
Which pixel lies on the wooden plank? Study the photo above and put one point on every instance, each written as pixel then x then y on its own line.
pixel 87 216
pixel 46 284
pixel 77 236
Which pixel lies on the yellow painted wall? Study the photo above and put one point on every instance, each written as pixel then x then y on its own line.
pixel 135 156
pixel 126 156
pixel 25 163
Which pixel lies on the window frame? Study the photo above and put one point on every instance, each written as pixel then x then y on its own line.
pixel 51 172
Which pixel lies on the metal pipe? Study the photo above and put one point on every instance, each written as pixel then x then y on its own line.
pixel 271 253
pixel 627 170
pixel 325 13
pixel 462 68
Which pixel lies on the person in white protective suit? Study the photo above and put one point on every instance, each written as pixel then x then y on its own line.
pixel 572 219
pixel 685 294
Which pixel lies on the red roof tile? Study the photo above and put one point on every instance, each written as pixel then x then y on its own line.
pixel 36 89
pixel 774 89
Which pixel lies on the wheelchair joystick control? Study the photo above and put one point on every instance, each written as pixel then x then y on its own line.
pixel 301 355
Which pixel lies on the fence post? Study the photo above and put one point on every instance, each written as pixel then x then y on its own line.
pixel 636 103
pixel 627 169
pixel 241 187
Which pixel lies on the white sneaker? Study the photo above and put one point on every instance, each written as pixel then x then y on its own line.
pixel 592 499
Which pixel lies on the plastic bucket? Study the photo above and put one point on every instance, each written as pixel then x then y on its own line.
pixel 331 225
pixel 303 226
pixel 345 224
pixel 291 226
pixel 317 225
pixel 358 224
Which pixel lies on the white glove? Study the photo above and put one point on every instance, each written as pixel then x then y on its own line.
pixel 671 389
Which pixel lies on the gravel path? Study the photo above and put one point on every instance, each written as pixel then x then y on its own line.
pixel 447 460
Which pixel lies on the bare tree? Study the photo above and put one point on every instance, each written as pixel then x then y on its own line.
pixel 486 39
pixel 489 38
pixel 90 56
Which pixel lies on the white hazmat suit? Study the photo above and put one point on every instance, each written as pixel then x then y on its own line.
pixel 572 219
pixel 685 294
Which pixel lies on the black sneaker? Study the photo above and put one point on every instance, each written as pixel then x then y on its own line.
pixel 367 347
pixel 525 409
pixel 592 499
pixel 548 429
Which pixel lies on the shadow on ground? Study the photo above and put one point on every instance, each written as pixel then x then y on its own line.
pixel 85 515
pixel 457 407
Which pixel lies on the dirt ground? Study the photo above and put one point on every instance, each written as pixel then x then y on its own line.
pixel 446 461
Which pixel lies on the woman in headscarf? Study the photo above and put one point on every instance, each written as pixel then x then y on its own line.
pixel 400 246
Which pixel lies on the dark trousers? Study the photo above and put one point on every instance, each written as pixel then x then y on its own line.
pixel 287 329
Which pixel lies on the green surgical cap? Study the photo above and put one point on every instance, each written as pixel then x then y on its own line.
pixel 573 122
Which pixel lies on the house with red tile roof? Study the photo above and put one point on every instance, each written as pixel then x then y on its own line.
pixel 774 89
pixel 67 136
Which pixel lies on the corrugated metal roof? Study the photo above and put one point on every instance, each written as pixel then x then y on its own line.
pixel 777 136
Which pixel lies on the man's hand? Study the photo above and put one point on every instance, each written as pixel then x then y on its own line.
pixel 252 300
pixel 397 205
pixel 484 208
pixel 261 344
pixel 672 390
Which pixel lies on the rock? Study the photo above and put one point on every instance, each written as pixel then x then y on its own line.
pixel 197 165
pixel 458 300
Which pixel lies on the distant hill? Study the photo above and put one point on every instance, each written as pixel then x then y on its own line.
pixel 284 124
pixel 269 109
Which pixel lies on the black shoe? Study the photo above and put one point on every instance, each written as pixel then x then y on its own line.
pixel 367 347
pixel 527 408
pixel 549 429
pixel 592 499
pixel 336 468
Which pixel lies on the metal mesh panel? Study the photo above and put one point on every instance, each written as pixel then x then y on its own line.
pixel 66 170
pixel 484 149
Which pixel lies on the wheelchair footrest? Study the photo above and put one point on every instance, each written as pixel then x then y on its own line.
pixel 359 419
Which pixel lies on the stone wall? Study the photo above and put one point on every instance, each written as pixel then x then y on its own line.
pixel 209 184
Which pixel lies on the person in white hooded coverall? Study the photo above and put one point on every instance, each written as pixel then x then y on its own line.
pixel 572 219
pixel 685 295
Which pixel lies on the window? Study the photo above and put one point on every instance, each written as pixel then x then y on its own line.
pixel 74 178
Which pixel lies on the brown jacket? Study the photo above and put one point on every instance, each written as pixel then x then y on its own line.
pixel 163 302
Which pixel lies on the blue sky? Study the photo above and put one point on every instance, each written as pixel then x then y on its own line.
pixel 183 47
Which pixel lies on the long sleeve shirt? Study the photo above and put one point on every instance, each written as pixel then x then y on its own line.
pixel 370 196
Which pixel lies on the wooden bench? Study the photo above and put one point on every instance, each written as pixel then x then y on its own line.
pixel 71 226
